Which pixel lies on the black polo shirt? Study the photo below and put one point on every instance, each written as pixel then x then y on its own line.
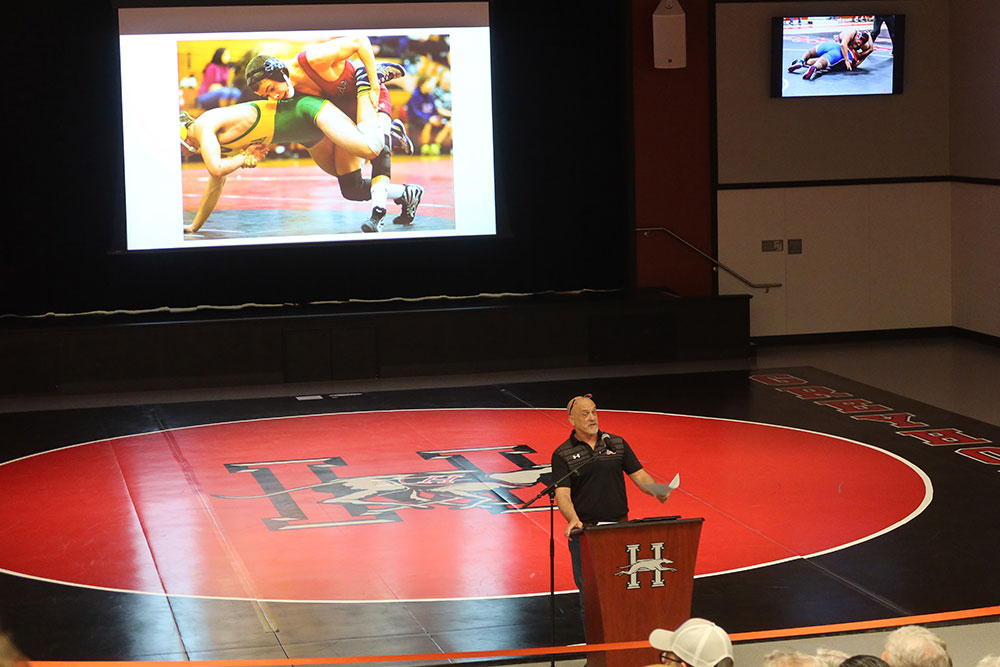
pixel 598 488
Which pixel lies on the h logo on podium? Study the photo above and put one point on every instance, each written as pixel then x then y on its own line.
pixel 657 565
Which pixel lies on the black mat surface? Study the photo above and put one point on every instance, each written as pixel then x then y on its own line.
pixel 943 560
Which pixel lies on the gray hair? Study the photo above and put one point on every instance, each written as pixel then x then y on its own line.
pixel 915 646
pixel 831 657
pixel 864 660
pixel 790 658
pixel 9 654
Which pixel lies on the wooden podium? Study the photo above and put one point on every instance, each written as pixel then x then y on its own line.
pixel 637 576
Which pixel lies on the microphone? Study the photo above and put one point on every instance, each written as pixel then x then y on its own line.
pixel 606 439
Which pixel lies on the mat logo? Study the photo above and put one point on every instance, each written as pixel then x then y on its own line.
pixel 905 423
pixel 375 499
pixel 657 565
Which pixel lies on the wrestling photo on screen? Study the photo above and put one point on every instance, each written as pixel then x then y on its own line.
pixel 307 136
pixel 298 114
pixel 837 55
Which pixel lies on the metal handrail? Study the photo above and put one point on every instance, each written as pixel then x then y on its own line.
pixel 763 286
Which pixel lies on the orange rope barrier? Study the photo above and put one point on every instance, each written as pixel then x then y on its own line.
pixel 859 626
pixel 551 650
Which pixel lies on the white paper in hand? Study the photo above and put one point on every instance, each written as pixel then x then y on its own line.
pixel 657 489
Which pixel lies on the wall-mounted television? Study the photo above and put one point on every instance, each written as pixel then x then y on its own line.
pixel 311 162
pixel 826 56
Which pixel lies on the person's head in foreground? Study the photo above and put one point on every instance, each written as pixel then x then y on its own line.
pixel 864 661
pixel 915 646
pixel 789 657
pixel 10 656
pixel 831 657
pixel 696 643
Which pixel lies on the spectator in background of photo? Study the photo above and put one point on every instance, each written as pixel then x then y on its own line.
pixel 216 89
pixel 438 130
pixel 239 75
pixel 189 92
pixel 421 108
pixel 428 113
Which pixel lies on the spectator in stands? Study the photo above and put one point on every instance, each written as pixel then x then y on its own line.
pixel 790 658
pixel 864 661
pixel 189 91
pixel 438 129
pixel 831 657
pixel 421 108
pixel 915 646
pixel 696 643
pixel 216 88
pixel 240 78
pixel 9 655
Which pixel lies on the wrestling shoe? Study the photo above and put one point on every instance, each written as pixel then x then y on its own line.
pixel 390 71
pixel 796 65
pixel 374 224
pixel 409 201
pixel 398 132
pixel 386 72
pixel 811 73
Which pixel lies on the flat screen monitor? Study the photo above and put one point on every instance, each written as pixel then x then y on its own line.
pixel 825 56
pixel 210 162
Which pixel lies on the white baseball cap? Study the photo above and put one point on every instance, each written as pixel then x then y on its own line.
pixel 697 642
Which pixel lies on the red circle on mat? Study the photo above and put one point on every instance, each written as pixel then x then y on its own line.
pixel 417 504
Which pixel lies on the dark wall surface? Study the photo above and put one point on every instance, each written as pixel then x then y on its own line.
pixel 674 153
pixel 561 109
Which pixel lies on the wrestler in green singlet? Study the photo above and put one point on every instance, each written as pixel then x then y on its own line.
pixel 281 121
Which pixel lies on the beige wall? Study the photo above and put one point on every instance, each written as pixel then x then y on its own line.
pixel 975 272
pixel 884 256
pixel 873 256
pixel 975 93
pixel 762 139
pixel 975 153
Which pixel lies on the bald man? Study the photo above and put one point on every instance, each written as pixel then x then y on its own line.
pixel 596 493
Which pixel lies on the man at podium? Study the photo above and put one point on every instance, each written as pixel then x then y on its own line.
pixel 590 469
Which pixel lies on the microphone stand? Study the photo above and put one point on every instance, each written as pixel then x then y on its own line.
pixel 550 490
